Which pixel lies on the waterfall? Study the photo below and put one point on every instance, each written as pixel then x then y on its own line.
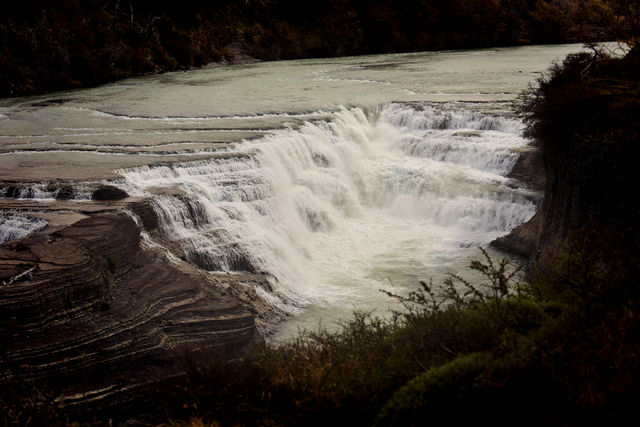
pixel 344 198
pixel 48 191
pixel 14 227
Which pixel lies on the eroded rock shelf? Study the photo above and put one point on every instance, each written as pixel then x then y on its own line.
pixel 99 311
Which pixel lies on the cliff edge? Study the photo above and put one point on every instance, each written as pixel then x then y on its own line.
pixel 586 118
pixel 92 314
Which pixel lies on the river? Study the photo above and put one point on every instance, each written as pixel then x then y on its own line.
pixel 336 177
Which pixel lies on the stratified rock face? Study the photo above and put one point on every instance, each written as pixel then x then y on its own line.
pixel 97 310
pixel 523 240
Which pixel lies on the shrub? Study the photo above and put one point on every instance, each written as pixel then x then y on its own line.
pixel 454 393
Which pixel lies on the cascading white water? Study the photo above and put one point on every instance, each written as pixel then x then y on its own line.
pixel 14 227
pixel 336 209
pixel 48 191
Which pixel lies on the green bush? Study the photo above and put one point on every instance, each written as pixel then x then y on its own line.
pixel 455 392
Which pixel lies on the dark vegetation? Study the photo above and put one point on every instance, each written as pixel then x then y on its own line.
pixel 50 45
pixel 587 119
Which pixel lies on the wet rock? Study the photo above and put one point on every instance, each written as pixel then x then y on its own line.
pixel 109 192
pixel 469 134
pixel 522 240
pixel 529 168
pixel 321 160
pixel 66 192
pixel 147 214
pixel 12 192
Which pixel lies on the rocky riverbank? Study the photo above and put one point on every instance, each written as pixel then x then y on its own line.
pixel 585 118
pixel 522 240
pixel 90 313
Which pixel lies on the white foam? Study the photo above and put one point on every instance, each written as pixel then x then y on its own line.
pixel 13 227
pixel 434 117
pixel 177 119
pixel 45 191
pixel 333 207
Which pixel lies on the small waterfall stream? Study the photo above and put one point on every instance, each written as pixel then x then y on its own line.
pixel 13 227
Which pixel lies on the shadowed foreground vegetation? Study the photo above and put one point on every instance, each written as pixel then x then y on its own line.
pixel 561 350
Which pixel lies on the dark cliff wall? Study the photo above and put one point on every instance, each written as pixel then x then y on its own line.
pixel 50 45
pixel 586 117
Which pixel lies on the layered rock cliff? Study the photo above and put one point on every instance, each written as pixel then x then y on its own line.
pixel 93 314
